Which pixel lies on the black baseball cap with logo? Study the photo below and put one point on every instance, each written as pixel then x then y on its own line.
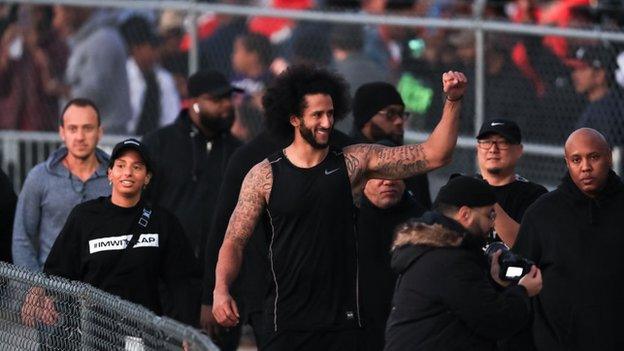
pixel 503 127
pixel 131 144
pixel 594 56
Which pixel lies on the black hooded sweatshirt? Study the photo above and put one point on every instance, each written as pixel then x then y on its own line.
pixel 444 298
pixel 189 172
pixel 577 242
pixel 91 248
pixel 376 229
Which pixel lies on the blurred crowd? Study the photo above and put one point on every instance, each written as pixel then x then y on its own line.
pixel 134 64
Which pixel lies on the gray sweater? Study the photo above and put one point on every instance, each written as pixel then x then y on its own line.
pixel 96 69
pixel 49 193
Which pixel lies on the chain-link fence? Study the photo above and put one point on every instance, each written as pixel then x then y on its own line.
pixel 39 312
pixel 549 78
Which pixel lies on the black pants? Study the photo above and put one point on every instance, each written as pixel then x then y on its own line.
pixel 228 339
pixel 343 340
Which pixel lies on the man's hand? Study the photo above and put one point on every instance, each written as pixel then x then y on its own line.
pixel 38 307
pixel 224 309
pixel 454 85
pixel 532 281
pixel 495 270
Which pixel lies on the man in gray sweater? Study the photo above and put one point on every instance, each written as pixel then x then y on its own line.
pixel 96 67
pixel 72 174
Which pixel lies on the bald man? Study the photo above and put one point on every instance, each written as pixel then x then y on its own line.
pixel 575 234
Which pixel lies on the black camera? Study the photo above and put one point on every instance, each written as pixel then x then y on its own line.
pixel 512 266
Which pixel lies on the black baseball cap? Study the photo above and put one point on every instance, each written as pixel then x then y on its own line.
pixel 504 127
pixel 131 144
pixel 210 82
pixel 594 56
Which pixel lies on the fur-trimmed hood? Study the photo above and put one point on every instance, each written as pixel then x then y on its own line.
pixel 418 236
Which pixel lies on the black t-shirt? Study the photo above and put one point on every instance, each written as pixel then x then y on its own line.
pixel 312 250
pixel 91 249
pixel 517 196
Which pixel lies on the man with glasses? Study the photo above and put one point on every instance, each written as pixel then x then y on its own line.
pixel 73 174
pixel 447 296
pixel 379 114
pixel 499 147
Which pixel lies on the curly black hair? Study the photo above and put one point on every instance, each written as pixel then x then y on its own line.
pixel 285 96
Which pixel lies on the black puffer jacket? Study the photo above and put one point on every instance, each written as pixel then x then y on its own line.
pixel 578 243
pixel 444 298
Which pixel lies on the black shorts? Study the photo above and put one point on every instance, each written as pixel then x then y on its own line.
pixel 342 340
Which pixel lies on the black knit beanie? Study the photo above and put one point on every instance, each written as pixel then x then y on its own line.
pixel 371 98
pixel 466 191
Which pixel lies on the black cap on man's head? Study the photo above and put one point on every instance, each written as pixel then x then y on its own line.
pixel 594 56
pixel 210 82
pixel 466 191
pixel 503 127
pixel 370 98
pixel 131 144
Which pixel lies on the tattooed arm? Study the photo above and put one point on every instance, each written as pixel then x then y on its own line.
pixel 377 161
pixel 252 199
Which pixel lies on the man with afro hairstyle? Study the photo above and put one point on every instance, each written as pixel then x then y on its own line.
pixel 307 192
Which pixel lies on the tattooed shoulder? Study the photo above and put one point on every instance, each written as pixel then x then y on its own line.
pixel 261 177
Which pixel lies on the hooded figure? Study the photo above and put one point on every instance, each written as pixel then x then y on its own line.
pixel 447 297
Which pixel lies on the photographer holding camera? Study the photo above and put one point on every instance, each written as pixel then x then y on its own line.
pixel 447 297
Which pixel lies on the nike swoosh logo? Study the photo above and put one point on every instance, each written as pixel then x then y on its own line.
pixel 496 124
pixel 330 172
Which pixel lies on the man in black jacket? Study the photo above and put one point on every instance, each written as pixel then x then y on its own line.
pixel 191 154
pixel 386 204
pixel 575 234
pixel 443 298
pixel 190 157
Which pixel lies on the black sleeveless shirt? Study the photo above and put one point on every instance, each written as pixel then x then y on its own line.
pixel 312 247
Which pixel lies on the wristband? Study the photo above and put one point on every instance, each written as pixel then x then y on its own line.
pixel 456 99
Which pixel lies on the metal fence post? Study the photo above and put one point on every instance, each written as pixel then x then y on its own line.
pixel 191 27
pixel 479 7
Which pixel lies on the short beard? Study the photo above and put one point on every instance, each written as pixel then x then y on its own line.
pixel 216 124
pixel 308 136
pixel 379 134
pixel 495 171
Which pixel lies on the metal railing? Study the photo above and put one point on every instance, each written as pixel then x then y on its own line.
pixel 21 151
pixel 86 318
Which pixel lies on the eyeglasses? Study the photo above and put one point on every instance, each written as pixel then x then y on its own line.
pixel 486 144
pixel 391 115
